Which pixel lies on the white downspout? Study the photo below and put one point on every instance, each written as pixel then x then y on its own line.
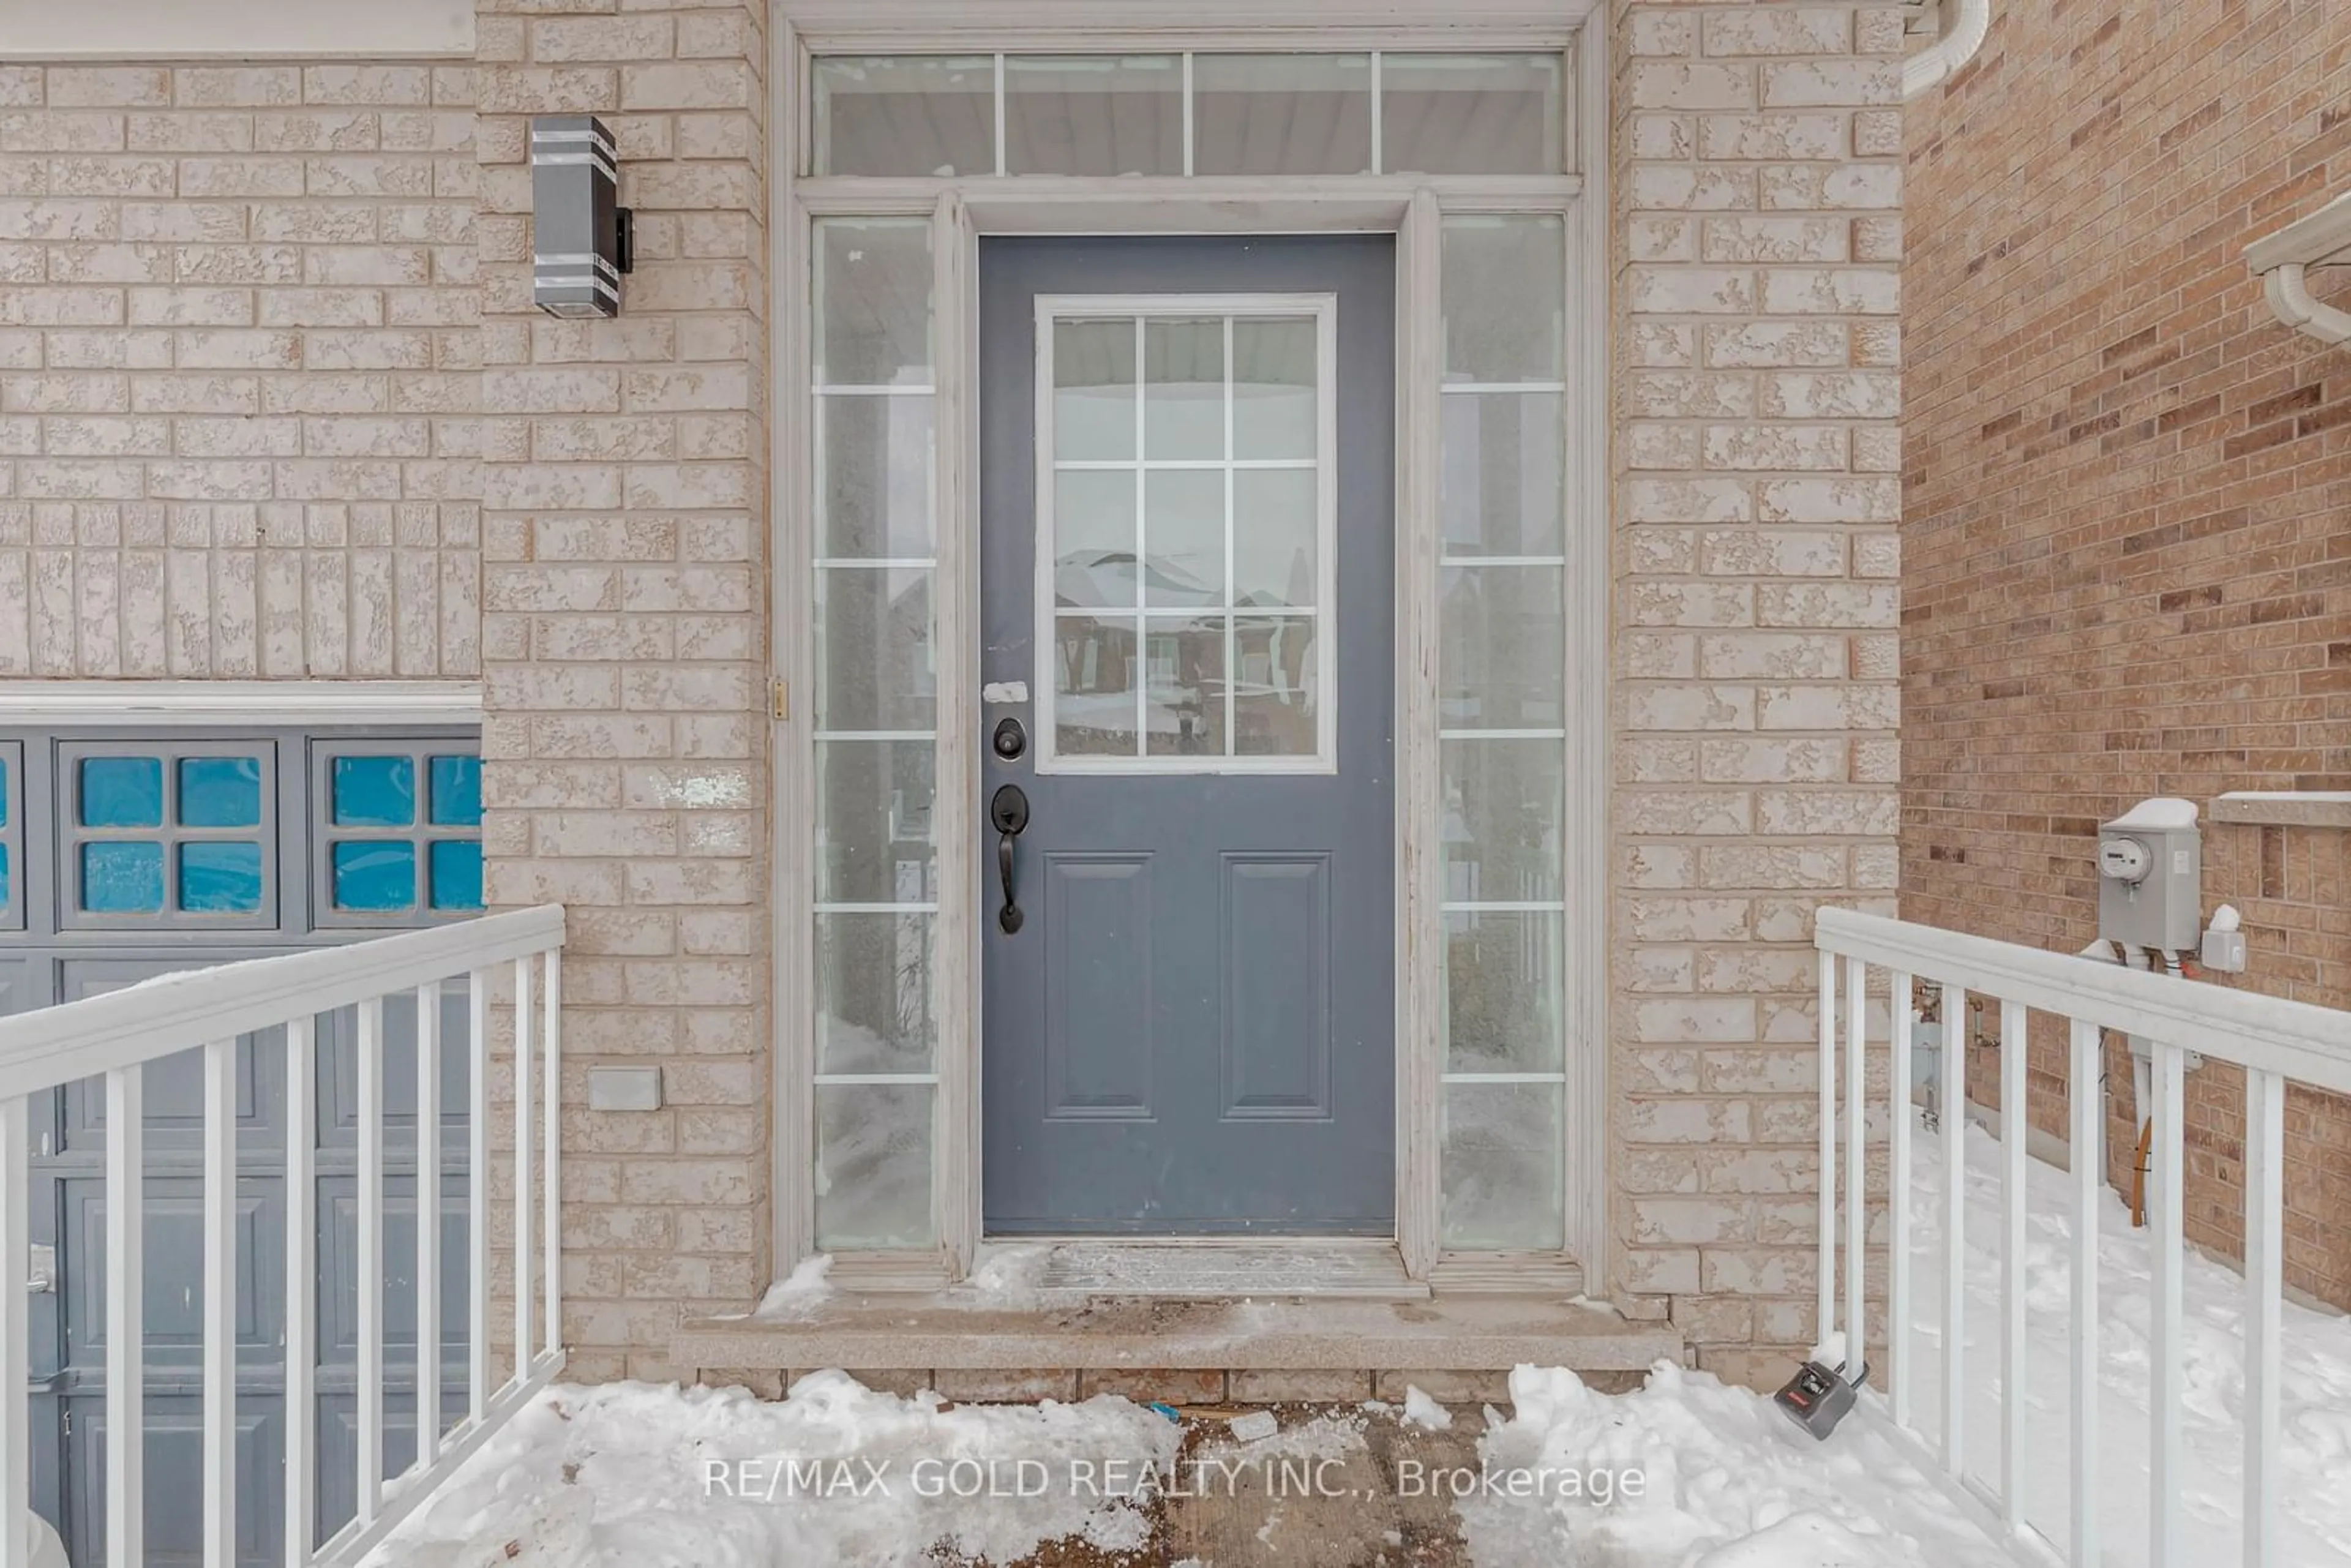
pixel 2290 298
pixel 1955 48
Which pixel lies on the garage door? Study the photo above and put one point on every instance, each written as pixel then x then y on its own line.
pixel 126 854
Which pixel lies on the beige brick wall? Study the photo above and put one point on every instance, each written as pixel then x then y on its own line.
pixel 1759 194
pixel 236 372
pixel 2128 572
pixel 625 589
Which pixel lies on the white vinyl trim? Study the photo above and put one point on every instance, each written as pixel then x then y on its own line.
pixel 310 703
pixel 964 209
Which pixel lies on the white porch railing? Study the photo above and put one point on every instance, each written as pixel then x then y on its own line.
pixel 2275 1042
pixel 115 1035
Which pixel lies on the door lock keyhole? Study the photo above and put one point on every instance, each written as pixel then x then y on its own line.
pixel 1010 740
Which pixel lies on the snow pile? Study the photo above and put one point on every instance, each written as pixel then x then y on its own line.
pixel 2314 1383
pixel 631 1476
pixel 1689 1472
pixel 799 1295
pixel 1420 1410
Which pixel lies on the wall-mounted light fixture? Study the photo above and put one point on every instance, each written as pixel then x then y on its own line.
pixel 579 240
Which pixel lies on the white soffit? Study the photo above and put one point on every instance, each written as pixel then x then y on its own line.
pixel 39 30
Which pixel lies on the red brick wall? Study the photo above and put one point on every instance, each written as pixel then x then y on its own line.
pixel 2127 528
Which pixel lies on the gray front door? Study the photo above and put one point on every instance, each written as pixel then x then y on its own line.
pixel 1188 607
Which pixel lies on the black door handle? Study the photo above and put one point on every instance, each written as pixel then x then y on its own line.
pixel 1010 812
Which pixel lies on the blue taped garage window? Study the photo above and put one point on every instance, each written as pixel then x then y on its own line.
pixel 401 830
pixel 170 833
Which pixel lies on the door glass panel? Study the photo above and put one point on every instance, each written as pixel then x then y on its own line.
pixel 375 792
pixel 1501 681
pixel 1505 995
pixel 120 878
pixel 220 793
pixel 874 992
pixel 874 1166
pixel 1184 672
pixel 875 458
pixel 457 792
pixel 375 876
pixel 455 866
pixel 874 467
pixel 1186 525
pixel 1504 1173
pixel 1094 114
pixel 1503 664
pixel 1183 395
pixel 1282 114
pixel 1094 521
pixel 121 792
pixel 1504 298
pixel 873 315
pixel 905 115
pixel 1503 488
pixel 1276 704
pixel 874 800
pixel 1275 370
pixel 1095 711
pixel 1472 114
pixel 1505 801
pixel 220 878
pixel 1184 535
pixel 873 663
pixel 1275 523
pixel 1093 391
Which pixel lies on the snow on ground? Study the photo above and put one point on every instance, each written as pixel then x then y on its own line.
pixel 1684 1473
pixel 2314 1447
pixel 629 1475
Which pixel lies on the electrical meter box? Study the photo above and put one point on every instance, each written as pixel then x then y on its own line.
pixel 2150 877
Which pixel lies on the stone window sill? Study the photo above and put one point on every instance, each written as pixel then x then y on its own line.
pixel 2286 808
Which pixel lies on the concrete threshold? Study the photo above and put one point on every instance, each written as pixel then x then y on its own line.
pixel 912 1331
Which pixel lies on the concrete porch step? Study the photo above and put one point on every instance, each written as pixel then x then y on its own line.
pixel 1243 1350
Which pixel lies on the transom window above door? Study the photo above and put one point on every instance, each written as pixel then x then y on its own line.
pixel 1186 522
pixel 1181 113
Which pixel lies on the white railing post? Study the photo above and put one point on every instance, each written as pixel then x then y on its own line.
pixel 301 1289
pixel 522 1166
pixel 1952 1103
pixel 370 1431
pixel 428 1222
pixel 552 1188
pixel 1897 1199
pixel 15 1330
pixel 2170 1274
pixel 2264 1299
pixel 220 1306
pixel 1856 1163
pixel 2014 1121
pixel 477 1194
pixel 126 1337
pixel 1828 994
pixel 2089 1186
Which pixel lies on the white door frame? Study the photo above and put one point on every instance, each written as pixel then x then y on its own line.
pixel 962 210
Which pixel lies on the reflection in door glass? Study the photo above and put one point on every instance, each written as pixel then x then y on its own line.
pixel 1094 693
pixel 1183 673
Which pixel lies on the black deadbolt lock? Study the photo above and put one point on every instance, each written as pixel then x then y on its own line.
pixel 1011 739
